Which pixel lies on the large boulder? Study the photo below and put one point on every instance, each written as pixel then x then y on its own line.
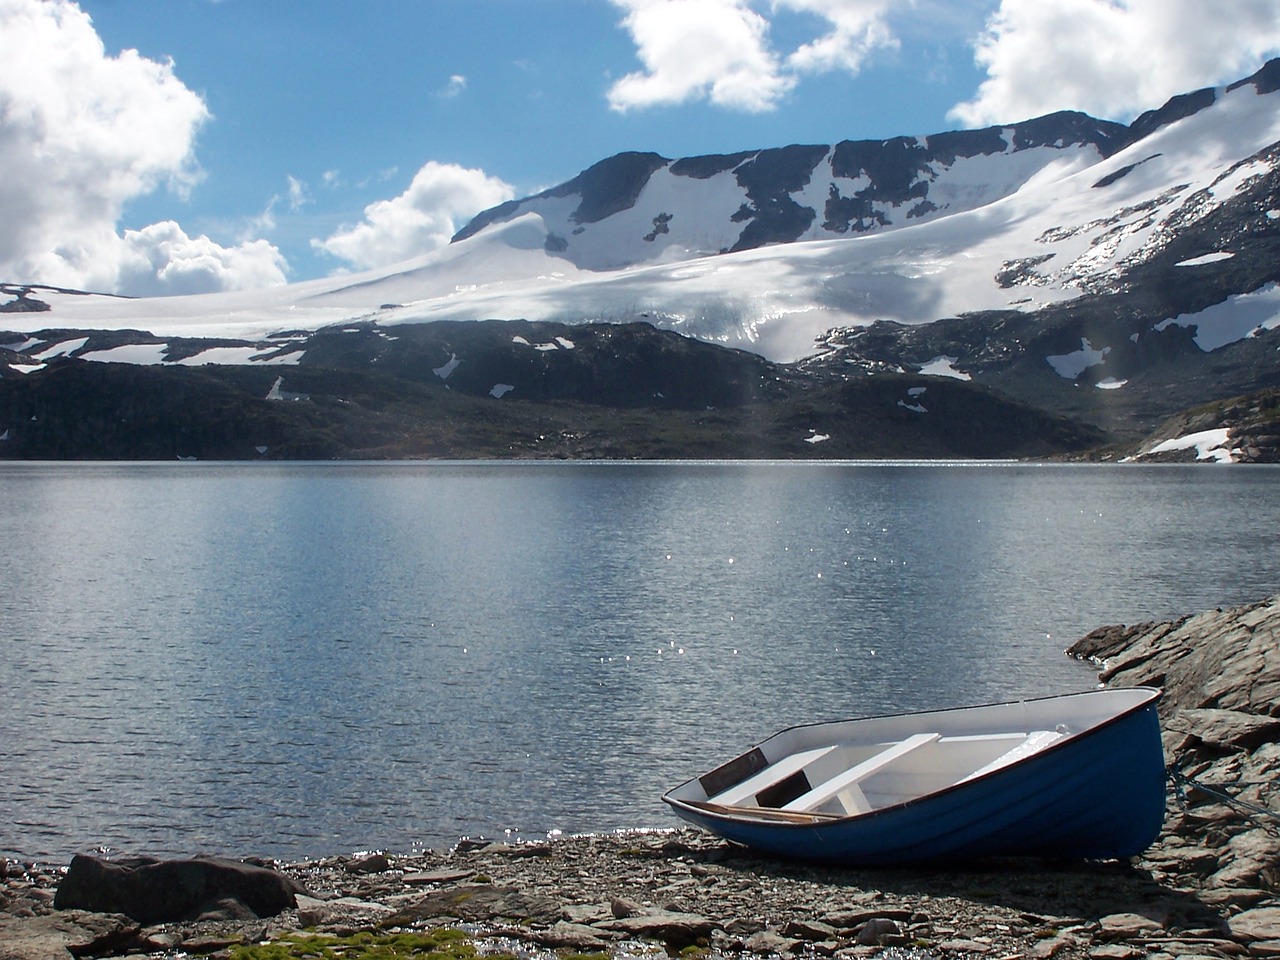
pixel 160 891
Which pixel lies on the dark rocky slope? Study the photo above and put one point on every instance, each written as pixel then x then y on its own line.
pixel 508 390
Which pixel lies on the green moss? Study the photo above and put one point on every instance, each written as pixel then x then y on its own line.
pixel 441 944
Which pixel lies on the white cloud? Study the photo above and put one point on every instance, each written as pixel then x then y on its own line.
pixel 457 83
pixel 699 48
pixel 720 50
pixel 161 260
pixel 299 195
pixel 1113 58
pixel 424 217
pixel 857 28
pixel 81 134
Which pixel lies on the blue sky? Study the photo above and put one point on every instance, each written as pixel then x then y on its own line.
pixel 176 146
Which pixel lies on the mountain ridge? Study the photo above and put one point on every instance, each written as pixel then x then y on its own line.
pixel 897 171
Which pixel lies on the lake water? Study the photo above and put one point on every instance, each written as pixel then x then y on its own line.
pixel 305 659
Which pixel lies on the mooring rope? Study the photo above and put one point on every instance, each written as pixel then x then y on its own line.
pixel 1181 781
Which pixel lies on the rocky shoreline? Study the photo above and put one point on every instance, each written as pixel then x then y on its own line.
pixel 1206 888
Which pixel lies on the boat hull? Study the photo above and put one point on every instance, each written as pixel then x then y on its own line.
pixel 1099 794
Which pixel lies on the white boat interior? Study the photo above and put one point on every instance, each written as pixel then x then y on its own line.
pixel 843 779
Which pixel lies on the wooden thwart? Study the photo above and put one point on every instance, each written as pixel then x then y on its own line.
pixel 770 775
pixel 849 778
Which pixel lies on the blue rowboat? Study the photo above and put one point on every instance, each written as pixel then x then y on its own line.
pixel 1075 776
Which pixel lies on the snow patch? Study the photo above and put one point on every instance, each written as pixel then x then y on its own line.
pixel 565 342
pixel 62 349
pixel 816 437
pixel 27 367
pixel 1110 383
pixel 500 390
pixel 239 356
pixel 141 354
pixel 913 407
pixel 448 368
pixel 1236 318
pixel 944 367
pixel 1231 181
pixel 1208 444
pixel 1207 258
pixel 277 392
pixel 1070 365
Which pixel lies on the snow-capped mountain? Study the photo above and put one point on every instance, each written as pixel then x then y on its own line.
pixel 1036 257
pixel 637 208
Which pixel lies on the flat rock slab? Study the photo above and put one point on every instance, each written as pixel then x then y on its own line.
pixel 1127 926
pixel 60 936
pixel 1259 924
pixel 572 936
pixel 1229 729
pixel 673 929
pixel 426 877
pixel 478 904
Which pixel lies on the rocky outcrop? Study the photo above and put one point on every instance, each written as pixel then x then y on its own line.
pixel 1248 430
pixel 1220 671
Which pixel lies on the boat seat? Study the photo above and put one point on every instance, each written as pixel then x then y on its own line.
pixel 1032 743
pixel 850 778
pixel 773 774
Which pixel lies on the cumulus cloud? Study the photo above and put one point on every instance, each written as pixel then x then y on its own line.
pixel 1113 58
pixel 457 83
pixel 720 50
pixel 424 217
pixel 699 48
pixel 161 260
pixel 858 27
pixel 81 134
